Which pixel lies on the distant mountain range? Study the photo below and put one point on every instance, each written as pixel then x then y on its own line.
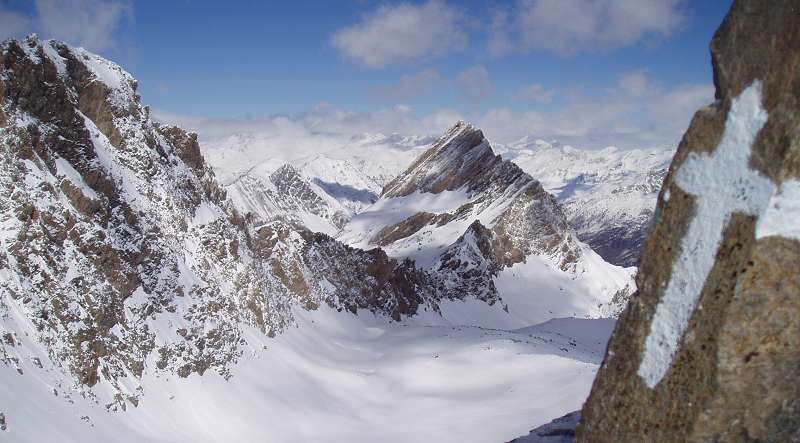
pixel 607 195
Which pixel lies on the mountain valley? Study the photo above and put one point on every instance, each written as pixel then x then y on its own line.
pixel 130 270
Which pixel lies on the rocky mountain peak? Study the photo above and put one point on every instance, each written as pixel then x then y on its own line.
pixel 458 158
pixel 112 222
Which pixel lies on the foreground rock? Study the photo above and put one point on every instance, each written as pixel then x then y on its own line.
pixel 709 350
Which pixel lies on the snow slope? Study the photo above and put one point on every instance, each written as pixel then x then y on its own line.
pixel 286 194
pixel 335 377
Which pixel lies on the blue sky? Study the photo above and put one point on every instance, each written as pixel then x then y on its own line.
pixel 590 72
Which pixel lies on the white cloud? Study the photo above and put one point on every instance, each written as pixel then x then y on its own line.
pixel 680 103
pixel 13 24
pixel 566 27
pixel 402 33
pixel 635 83
pixel 537 93
pixel 280 138
pixel 408 85
pixel 500 41
pixel 637 112
pixel 625 116
pixel 88 23
pixel 322 121
pixel 474 83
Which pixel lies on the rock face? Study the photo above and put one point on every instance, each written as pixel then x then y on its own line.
pixel 560 430
pixel 112 227
pixel 608 195
pixel 476 222
pixel 318 269
pixel 709 349
pixel 122 254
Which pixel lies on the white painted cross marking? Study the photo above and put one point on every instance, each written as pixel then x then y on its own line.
pixel 722 184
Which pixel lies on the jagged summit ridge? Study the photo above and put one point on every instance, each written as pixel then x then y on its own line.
pixel 453 161
pixel 468 216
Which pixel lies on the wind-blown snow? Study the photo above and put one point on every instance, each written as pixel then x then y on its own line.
pixel 388 211
pixel 336 377
pixel 782 216
pixel 51 53
pixel 722 184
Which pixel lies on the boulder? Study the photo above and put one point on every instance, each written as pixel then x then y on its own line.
pixel 709 348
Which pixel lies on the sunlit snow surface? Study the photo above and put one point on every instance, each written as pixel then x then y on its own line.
pixel 338 377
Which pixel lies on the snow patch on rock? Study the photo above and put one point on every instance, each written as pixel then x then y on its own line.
pixel 782 216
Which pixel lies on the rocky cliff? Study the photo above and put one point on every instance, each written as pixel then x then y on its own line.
pixel 121 254
pixel 110 221
pixel 483 228
pixel 709 349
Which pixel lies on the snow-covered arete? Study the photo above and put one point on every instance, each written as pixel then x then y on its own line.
pixel 722 184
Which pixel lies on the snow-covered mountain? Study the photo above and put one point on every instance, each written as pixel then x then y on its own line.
pixel 357 160
pixel 130 275
pixel 120 251
pixel 351 185
pixel 286 194
pixel 608 195
pixel 321 191
pixel 485 229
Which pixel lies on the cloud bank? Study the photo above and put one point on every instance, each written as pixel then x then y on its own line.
pixel 635 113
pixel 91 24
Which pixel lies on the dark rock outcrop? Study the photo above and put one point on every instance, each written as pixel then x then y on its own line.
pixel 709 349
pixel 560 430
